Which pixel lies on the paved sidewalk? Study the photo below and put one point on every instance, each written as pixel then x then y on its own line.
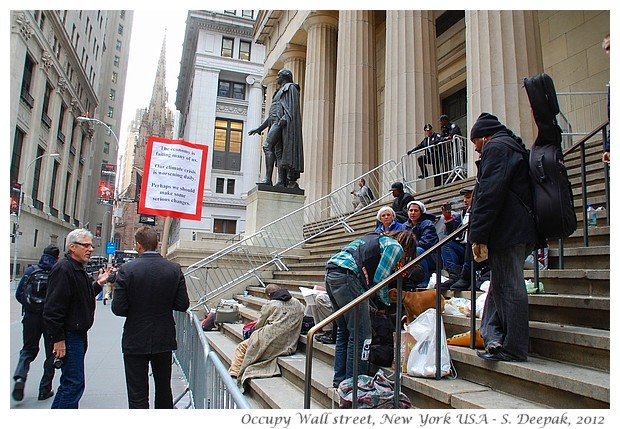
pixel 105 376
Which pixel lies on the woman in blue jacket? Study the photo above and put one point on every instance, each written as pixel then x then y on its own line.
pixel 422 224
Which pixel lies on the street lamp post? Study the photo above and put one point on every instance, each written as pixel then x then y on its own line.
pixel 19 211
pixel 114 201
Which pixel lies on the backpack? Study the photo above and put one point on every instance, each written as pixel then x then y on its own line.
pixel 35 289
pixel 552 195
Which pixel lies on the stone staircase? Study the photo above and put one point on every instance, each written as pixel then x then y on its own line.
pixel 569 359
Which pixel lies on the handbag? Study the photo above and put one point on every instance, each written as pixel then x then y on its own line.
pixel 421 360
pixel 226 313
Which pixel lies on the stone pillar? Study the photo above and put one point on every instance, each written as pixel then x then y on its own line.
pixel 319 102
pixel 502 47
pixel 270 82
pixel 252 149
pixel 355 128
pixel 411 96
pixel 294 59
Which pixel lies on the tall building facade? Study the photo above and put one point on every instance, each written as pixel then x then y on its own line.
pixel 220 97
pixel 157 120
pixel 61 64
pixel 371 79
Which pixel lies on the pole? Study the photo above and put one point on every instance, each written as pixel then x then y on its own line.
pixel 19 211
pixel 115 198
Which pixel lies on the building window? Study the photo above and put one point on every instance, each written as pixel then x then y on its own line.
pixel 119 44
pixel 227 144
pixel 219 185
pixel 35 238
pixel 230 186
pixel 244 50
pixel 61 123
pixel 227 47
pixel 112 94
pixel 65 204
pixel 53 189
pixel 114 77
pixel 231 90
pixel 224 226
pixel 117 61
pixel 247 14
pixel 110 112
pixel 46 105
pixel 120 29
pixel 106 147
pixel 35 180
pixel 27 81
pixel 16 157
pixel 230 12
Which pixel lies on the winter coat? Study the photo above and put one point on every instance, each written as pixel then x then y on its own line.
pixel 498 215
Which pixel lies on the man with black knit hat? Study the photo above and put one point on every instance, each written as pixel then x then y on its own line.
pixel 502 230
pixel 401 199
pixel 33 329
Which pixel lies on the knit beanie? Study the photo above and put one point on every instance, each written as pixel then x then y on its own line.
pixel 419 204
pixel 486 125
pixel 52 251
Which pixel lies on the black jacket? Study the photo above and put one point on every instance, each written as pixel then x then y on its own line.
pixel 45 262
pixel 70 300
pixel 399 205
pixel 148 289
pixel 498 215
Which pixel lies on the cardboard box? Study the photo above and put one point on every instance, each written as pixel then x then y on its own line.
pixel 406 345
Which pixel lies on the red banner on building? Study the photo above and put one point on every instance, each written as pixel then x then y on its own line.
pixel 105 190
pixel 15 193
pixel 174 176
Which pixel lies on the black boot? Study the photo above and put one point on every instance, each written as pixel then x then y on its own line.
pixel 464 281
pixel 270 160
pixel 282 179
pixel 454 274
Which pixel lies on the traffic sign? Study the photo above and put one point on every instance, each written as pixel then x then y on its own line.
pixel 110 247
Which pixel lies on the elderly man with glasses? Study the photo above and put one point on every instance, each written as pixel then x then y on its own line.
pixel 69 313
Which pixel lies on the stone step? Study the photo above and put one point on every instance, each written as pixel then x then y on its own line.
pixel 591 257
pixel 574 281
pixel 566 343
pixel 286 392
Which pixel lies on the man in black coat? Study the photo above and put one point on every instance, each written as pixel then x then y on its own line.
pixel 401 199
pixel 148 289
pixel 502 229
pixel 33 330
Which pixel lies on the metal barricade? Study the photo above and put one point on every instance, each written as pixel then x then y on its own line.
pixel 208 382
pixel 444 162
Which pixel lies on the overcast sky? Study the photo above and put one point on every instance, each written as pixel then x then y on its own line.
pixel 147 36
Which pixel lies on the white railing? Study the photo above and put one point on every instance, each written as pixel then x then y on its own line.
pixel 445 162
pixel 580 113
pixel 248 259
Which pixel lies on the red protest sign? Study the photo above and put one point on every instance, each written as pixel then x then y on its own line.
pixel 173 180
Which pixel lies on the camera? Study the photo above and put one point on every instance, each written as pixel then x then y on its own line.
pixel 58 363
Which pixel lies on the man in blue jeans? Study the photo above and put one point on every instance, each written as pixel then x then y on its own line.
pixel 69 313
pixel 361 264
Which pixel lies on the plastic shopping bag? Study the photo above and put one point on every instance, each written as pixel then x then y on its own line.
pixel 421 361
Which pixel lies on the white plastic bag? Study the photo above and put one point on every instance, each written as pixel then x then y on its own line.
pixel 421 361
pixel 433 280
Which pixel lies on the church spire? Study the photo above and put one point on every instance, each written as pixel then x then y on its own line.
pixel 160 117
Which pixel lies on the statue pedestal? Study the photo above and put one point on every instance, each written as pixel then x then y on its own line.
pixel 268 203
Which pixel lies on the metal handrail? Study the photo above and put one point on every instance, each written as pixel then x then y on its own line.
pixel 208 382
pixel 289 232
pixel 397 275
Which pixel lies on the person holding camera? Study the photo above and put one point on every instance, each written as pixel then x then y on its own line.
pixel 109 286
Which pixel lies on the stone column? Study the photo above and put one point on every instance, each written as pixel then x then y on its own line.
pixel 252 149
pixel 270 82
pixel 319 102
pixel 294 59
pixel 411 96
pixel 502 47
pixel 355 128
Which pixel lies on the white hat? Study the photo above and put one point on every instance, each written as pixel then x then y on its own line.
pixel 419 204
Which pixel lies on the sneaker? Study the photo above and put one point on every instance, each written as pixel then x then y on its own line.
pixel 327 338
pixel 45 395
pixel 18 389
